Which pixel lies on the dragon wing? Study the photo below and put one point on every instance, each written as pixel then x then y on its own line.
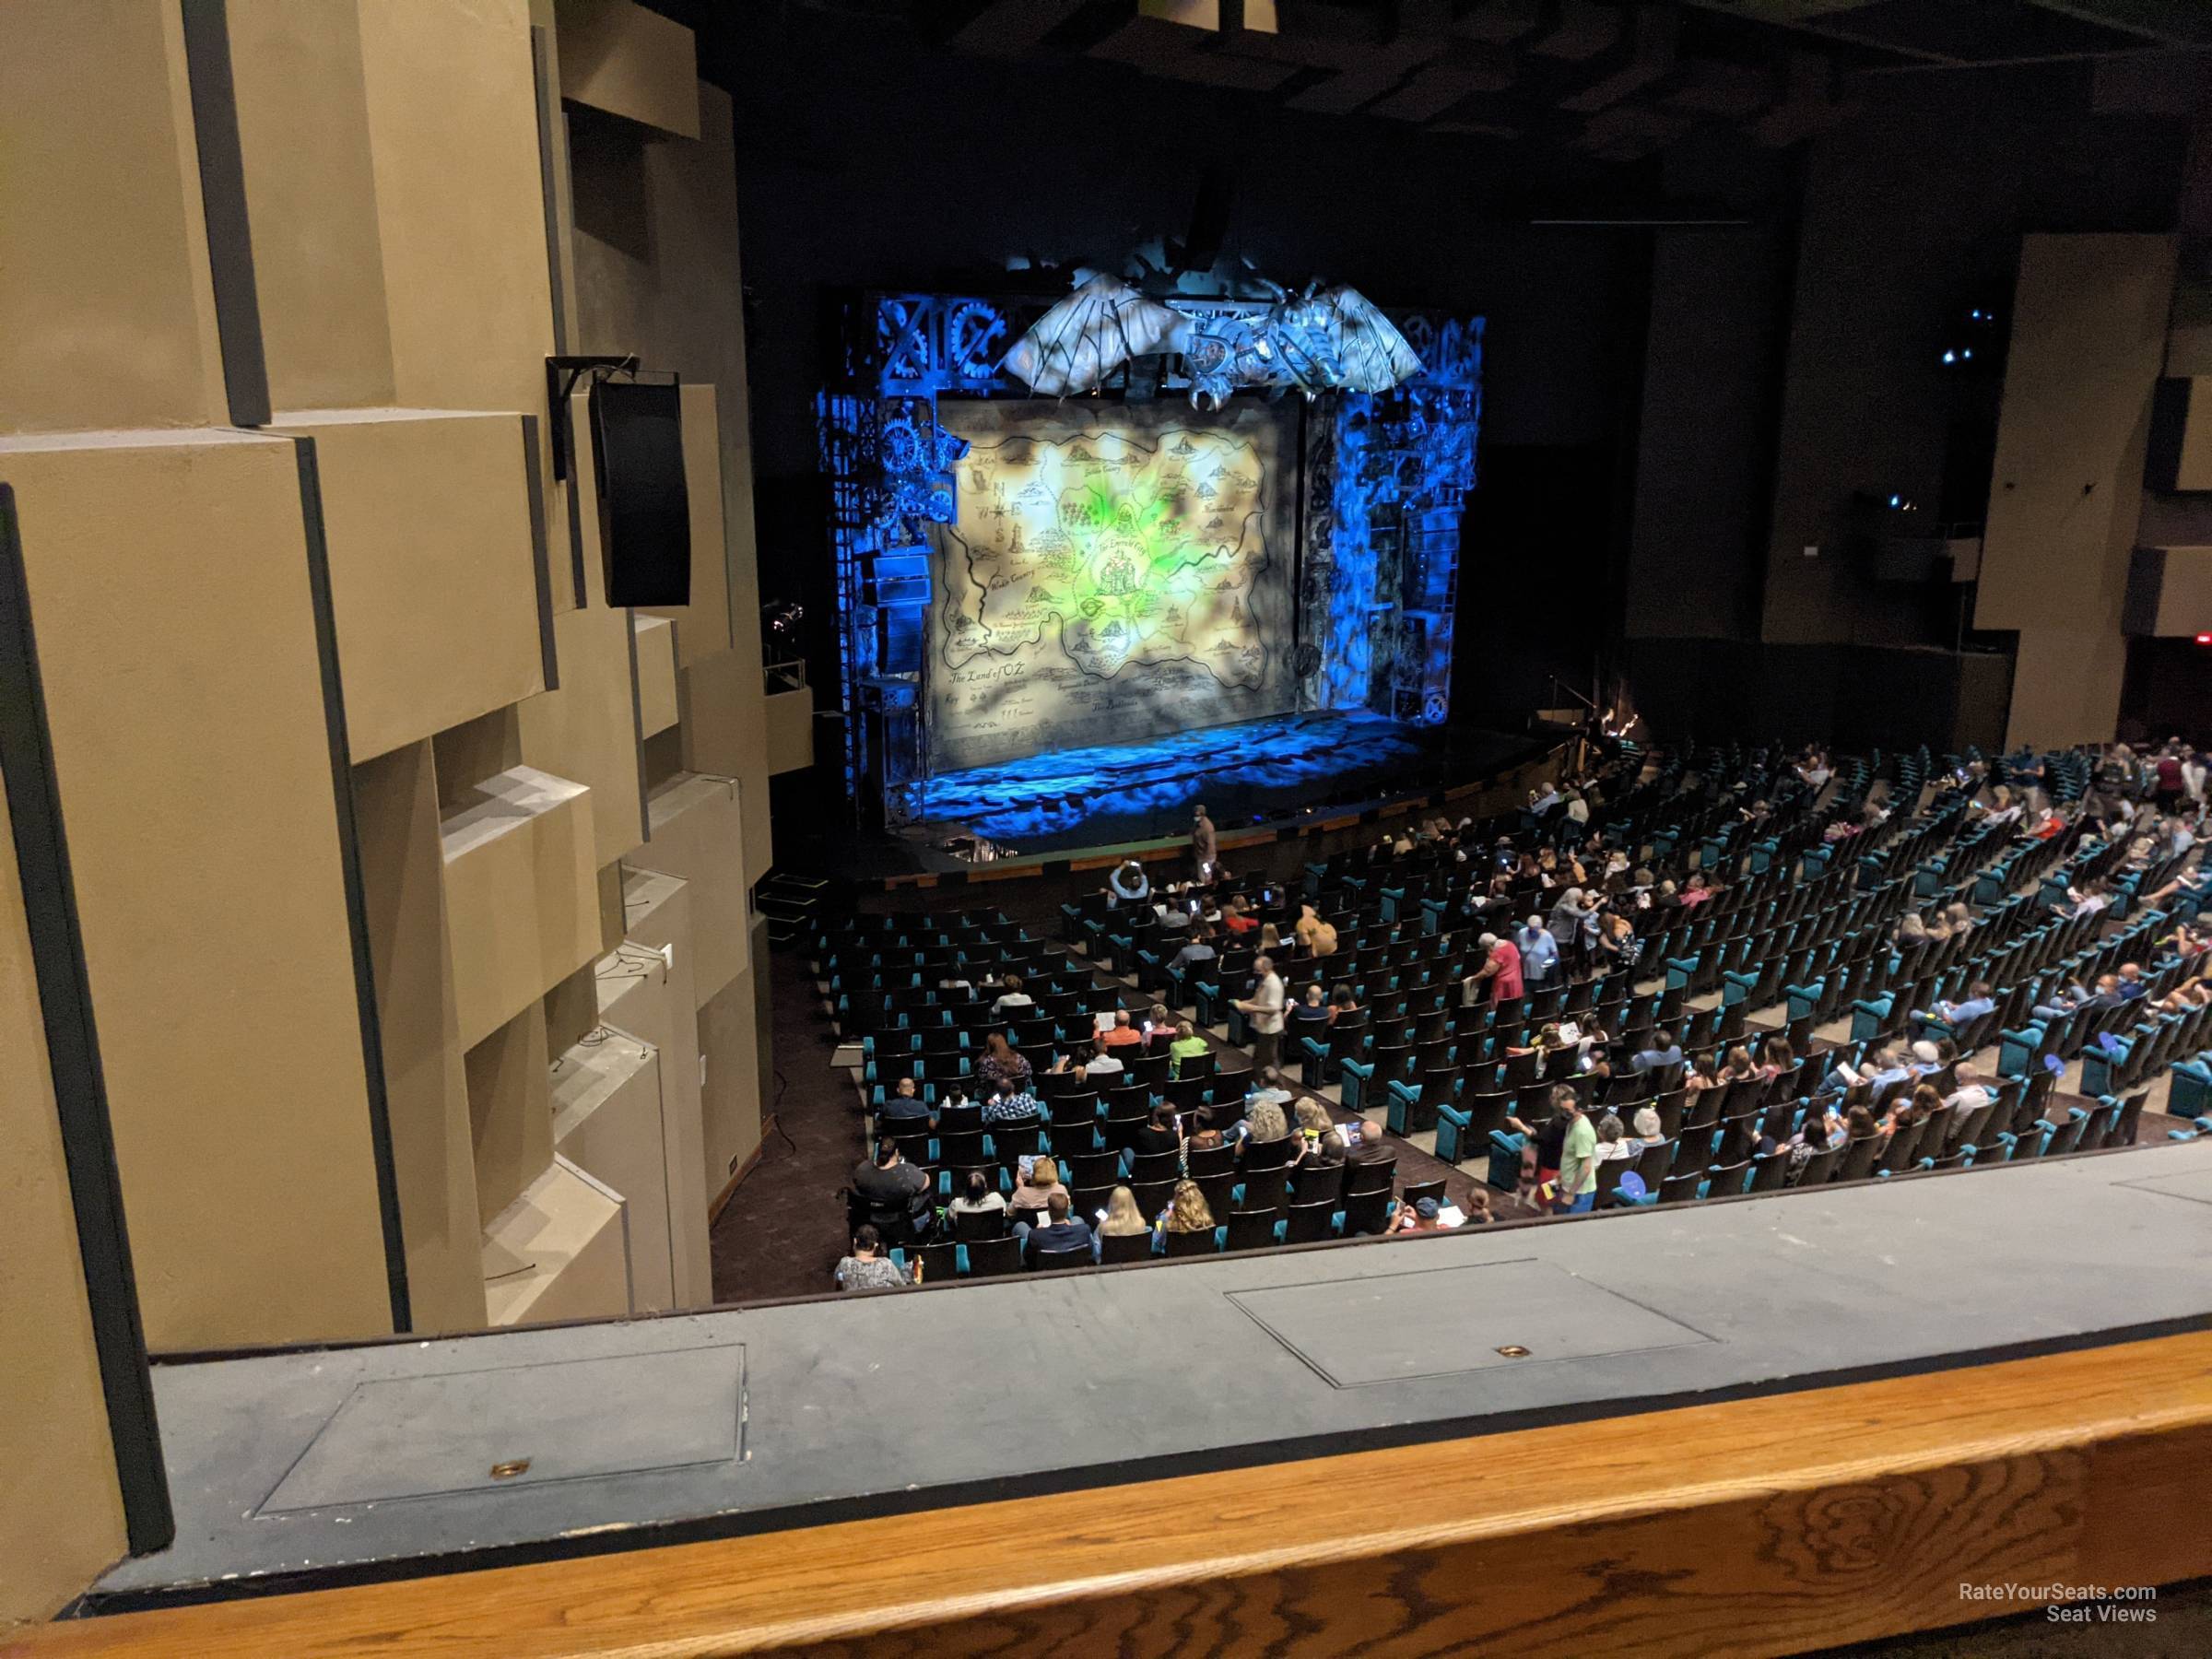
pixel 1087 336
pixel 1374 353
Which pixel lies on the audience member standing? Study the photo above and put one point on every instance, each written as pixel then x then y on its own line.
pixel 1264 1008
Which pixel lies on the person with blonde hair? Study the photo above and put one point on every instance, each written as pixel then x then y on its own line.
pixel 1122 1219
pixel 1314 1118
pixel 1263 1121
pixel 1187 1211
pixel 1035 1189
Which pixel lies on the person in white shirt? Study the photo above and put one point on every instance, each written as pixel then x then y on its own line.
pixel 1265 1009
pixel 1101 1060
pixel 1010 997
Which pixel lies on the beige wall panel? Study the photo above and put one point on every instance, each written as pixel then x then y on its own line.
pixel 656 673
pixel 607 1121
pixel 509 1110
pixel 185 695
pixel 790 732
pixel 303 131
pixel 107 312
pixel 619 57
pixel 2089 339
pixel 678 305
pixel 433 571
pixel 396 809
pixel 588 728
pixel 464 756
pixel 719 732
pixel 573 1010
pixel 522 895
pixel 703 625
pixel 655 1001
pixel 730 1095
pixel 453 133
pixel 60 1515
pixel 558 1251
pixel 698 835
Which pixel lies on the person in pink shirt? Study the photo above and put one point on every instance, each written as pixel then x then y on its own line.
pixel 1501 967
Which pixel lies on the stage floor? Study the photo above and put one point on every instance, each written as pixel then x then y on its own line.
pixel 1257 772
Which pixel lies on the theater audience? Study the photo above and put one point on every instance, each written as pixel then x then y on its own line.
pixel 1647 1126
pixel 1664 1051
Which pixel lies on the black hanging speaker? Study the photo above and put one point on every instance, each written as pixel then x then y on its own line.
pixel 644 508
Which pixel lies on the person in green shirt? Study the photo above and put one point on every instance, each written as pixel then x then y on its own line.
pixel 1187 1042
pixel 1577 1158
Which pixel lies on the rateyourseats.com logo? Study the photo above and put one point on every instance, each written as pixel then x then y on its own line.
pixel 2073 1604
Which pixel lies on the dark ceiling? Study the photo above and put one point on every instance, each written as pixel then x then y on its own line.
pixel 1606 79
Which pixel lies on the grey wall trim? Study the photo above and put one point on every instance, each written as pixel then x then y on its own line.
pixel 223 197
pixel 548 162
pixel 357 905
pixel 540 554
pixel 80 1093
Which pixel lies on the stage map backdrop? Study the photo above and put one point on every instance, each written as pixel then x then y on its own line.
pixel 1115 572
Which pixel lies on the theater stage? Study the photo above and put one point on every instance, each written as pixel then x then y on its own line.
pixel 1257 772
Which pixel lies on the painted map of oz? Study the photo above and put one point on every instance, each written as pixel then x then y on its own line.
pixel 1107 561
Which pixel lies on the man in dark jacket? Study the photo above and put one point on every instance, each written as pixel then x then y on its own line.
pixel 1061 1230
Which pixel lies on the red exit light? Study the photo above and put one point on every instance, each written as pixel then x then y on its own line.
pixel 2204 639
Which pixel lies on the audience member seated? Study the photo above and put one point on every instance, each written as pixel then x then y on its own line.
pixel 1317 936
pixel 1664 1051
pixel 1126 887
pixel 1098 1062
pixel 1612 1140
pixel 1648 1132
pixel 1979 1000
pixel 1235 917
pixel 870 1267
pixel 1009 1104
pixel 1158 1133
pixel 1197 950
pixel 904 1104
pixel 1187 1043
pixel 1425 1215
pixel 1310 1015
pixel 1036 1184
pixel 1011 996
pixel 979 1197
pixel 1122 1218
pixel 1263 1120
pixel 1704 1074
pixel 1969 1093
pixel 1122 1035
pixel 1060 1230
pixel 1187 1211
pixel 897 1192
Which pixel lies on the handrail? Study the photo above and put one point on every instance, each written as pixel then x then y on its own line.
pixel 1772 1525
